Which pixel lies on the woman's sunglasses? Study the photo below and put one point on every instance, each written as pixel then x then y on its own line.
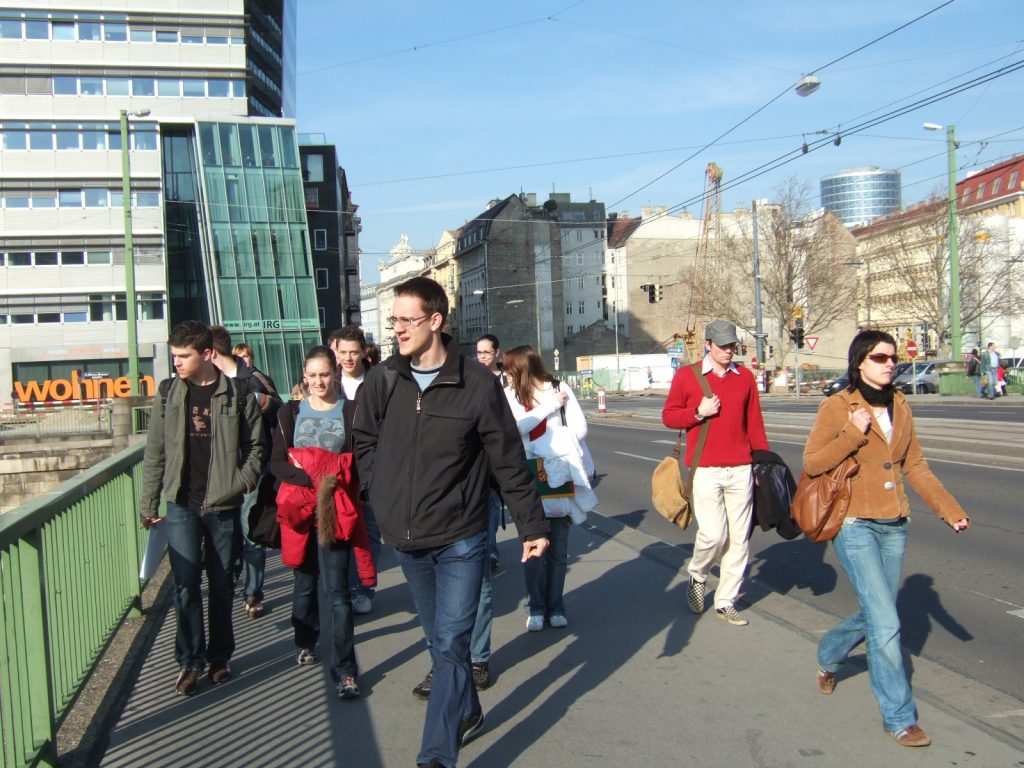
pixel 881 359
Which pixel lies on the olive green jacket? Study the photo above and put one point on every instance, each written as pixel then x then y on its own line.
pixel 237 456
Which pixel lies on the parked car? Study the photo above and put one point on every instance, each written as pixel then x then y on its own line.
pixel 834 385
pixel 925 374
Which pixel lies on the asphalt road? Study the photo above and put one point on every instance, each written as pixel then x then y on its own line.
pixel 962 599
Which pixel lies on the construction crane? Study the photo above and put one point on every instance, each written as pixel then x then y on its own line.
pixel 707 253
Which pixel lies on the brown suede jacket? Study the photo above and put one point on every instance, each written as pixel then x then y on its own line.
pixel 878 490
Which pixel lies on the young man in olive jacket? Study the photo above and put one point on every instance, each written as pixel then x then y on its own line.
pixel 429 425
pixel 205 450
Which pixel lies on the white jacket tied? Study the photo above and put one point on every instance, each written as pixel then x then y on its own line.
pixel 562 447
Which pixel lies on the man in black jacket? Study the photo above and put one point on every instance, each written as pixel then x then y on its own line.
pixel 430 422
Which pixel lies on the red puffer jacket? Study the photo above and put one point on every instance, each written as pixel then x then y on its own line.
pixel 331 505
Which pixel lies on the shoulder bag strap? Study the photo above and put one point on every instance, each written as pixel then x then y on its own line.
pixel 558 385
pixel 702 438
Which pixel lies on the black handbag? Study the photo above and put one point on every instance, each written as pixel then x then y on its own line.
pixel 263 526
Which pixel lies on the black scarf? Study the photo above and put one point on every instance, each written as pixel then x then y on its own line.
pixel 877 397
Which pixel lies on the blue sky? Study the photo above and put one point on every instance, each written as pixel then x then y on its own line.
pixel 438 107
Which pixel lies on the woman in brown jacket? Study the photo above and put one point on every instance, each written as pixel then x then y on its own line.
pixel 872 421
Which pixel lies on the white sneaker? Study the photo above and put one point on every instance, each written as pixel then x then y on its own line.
pixel 535 623
pixel 361 604
pixel 558 620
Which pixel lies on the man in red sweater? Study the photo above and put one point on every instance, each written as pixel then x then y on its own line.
pixel 723 483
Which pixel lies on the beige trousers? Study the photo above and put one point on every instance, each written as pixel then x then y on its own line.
pixel 723 502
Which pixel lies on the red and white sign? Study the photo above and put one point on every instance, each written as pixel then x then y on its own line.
pixel 811 341
pixel 912 348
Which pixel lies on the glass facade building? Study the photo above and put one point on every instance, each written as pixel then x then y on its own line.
pixel 859 195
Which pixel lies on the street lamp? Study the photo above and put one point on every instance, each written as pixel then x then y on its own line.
pixel 512 302
pixel 954 244
pixel 129 255
pixel 483 299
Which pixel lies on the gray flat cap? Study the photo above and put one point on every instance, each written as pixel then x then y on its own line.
pixel 721 332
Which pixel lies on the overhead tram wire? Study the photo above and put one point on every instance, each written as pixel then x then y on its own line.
pixel 445 41
pixel 775 98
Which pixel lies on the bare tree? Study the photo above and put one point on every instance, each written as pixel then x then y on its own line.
pixel 908 265
pixel 805 257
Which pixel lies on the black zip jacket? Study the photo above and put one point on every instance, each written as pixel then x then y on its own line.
pixel 424 458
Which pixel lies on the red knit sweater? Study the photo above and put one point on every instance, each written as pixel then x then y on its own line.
pixel 737 428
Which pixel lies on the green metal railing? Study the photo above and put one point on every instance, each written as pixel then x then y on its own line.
pixel 69 575
pixel 140 419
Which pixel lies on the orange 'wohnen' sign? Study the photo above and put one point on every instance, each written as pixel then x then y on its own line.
pixel 77 388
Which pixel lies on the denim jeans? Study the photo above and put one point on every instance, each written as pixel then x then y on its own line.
pixel 254 557
pixel 187 533
pixel 480 640
pixel 355 587
pixel 990 387
pixel 545 576
pixel 445 584
pixel 978 389
pixel 871 553
pixel 332 563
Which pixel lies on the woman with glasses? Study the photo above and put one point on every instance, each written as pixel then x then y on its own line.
pixel 871 421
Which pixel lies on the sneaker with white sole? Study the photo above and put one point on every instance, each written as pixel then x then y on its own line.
pixel 695 595
pixel 305 657
pixel 731 615
pixel 535 623
pixel 558 620
pixel 471 728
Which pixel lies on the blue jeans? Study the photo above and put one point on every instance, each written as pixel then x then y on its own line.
pixel 355 587
pixel 480 640
pixel 545 576
pixel 978 389
pixel 871 553
pixel 332 563
pixel 188 535
pixel 254 557
pixel 445 584
pixel 990 387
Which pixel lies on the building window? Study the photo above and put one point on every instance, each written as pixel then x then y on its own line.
pixel 314 170
pixel 996 184
pixel 579 259
pixel 322 313
pixel 568 305
pixel 966 196
pixel 312 198
pixel 319 239
pixel 582 308
pixel 321 279
pixel 981 190
pixel 1013 182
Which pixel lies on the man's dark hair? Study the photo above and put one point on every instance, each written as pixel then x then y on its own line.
pixel 221 340
pixel 861 345
pixel 347 333
pixel 429 292
pixel 191 333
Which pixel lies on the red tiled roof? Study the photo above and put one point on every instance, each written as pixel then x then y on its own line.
pixel 620 229
pixel 998 181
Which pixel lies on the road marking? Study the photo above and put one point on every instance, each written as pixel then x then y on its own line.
pixel 664 442
pixel 634 456
pixel 1008 713
pixel 1018 612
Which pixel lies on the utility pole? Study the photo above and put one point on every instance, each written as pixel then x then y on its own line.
pixel 129 261
pixel 758 320
pixel 954 249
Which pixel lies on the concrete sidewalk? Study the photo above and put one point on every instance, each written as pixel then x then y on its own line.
pixel 634 680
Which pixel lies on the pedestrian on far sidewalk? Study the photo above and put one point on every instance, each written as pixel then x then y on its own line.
pixel 871 420
pixel 974 371
pixel 723 483
pixel 990 366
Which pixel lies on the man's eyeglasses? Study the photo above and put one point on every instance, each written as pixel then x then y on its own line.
pixel 405 322
pixel 882 359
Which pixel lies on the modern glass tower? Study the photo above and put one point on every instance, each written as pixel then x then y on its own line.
pixel 859 195
pixel 218 220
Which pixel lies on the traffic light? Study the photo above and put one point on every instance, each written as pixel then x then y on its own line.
pixel 651 293
pixel 659 293
pixel 925 343
pixel 743 349
pixel 797 334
